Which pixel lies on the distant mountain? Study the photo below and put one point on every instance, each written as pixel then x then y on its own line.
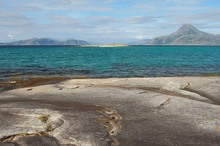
pixel 75 42
pixel 186 35
pixel 35 41
pixel 139 42
pixel 46 41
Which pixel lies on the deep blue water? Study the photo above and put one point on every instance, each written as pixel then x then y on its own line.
pixel 132 61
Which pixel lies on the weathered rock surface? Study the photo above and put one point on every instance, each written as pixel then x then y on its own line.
pixel 126 112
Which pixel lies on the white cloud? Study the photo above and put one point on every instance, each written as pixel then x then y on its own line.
pixel 140 37
pixel 10 36
pixel 140 19
pixel 184 2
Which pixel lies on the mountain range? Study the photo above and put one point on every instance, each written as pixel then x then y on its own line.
pixel 46 41
pixel 187 34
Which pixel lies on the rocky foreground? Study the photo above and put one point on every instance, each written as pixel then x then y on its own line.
pixel 176 111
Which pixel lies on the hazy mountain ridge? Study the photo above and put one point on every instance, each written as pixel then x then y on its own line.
pixel 139 42
pixel 186 35
pixel 46 41
pixel 77 42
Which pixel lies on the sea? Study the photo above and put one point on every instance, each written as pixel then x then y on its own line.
pixel 109 62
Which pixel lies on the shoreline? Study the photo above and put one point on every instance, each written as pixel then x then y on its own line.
pixel 81 46
pixel 32 81
pixel 16 82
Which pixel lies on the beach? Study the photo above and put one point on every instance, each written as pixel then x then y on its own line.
pixel 113 111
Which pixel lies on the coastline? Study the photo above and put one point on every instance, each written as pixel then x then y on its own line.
pixel 107 46
pixel 139 111
pixel 15 82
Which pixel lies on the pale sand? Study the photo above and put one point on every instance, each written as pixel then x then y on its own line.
pixel 118 111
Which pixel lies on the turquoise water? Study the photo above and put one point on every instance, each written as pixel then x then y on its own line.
pixel 132 61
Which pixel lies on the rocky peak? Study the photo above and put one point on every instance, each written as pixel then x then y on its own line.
pixel 188 29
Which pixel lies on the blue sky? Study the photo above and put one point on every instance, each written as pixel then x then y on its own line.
pixel 104 21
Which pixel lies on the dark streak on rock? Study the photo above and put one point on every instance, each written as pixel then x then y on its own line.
pixel 165 102
pixel 203 94
pixel 12 137
pixel 29 89
pixel 167 92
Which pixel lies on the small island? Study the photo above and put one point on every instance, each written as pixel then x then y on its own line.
pixel 107 45
pixel 113 45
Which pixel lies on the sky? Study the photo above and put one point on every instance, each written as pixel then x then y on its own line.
pixel 104 21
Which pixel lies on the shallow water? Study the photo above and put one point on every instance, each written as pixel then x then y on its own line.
pixel 131 61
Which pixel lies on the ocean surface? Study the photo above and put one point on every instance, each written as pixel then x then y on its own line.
pixel 101 62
